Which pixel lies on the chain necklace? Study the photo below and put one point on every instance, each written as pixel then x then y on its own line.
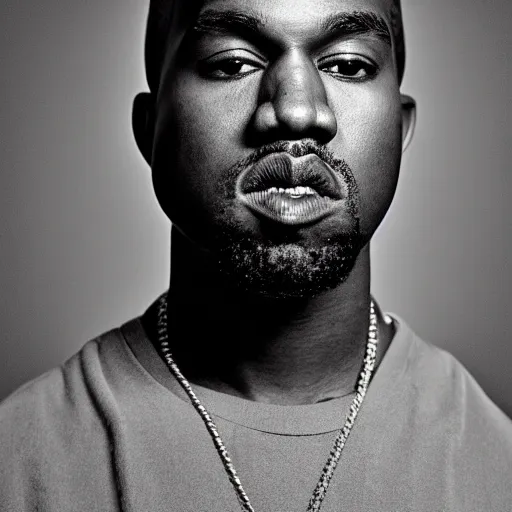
pixel 328 470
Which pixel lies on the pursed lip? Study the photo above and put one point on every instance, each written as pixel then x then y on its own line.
pixel 291 191
pixel 281 170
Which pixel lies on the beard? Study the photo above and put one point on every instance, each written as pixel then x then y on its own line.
pixel 286 270
pixel 280 261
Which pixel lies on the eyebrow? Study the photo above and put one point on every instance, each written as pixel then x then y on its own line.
pixel 357 23
pixel 339 24
pixel 227 22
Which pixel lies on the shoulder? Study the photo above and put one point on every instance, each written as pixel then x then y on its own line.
pixel 57 391
pixel 448 388
pixel 52 424
pixel 455 423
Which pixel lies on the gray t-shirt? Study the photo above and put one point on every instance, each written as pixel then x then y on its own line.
pixel 111 430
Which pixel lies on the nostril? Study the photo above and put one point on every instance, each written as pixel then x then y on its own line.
pixel 265 118
pixel 326 121
pixel 302 121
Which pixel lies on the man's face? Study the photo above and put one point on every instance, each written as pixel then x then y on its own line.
pixel 279 136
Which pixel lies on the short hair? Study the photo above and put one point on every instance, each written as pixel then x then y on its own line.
pixel 157 29
pixel 158 25
pixel 397 26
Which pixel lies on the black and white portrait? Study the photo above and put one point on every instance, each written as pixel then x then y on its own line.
pixel 255 255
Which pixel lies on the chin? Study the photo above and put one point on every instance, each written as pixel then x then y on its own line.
pixel 286 270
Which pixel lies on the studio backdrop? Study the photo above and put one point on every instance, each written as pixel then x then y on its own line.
pixel 84 246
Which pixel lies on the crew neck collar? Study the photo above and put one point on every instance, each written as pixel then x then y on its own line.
pixel 294 420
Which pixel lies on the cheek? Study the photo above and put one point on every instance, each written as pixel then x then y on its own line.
pixel 211 120
pixel 199 136
pixel 369 139
pixel 206 126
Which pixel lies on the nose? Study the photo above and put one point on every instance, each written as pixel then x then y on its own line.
pixel 293 102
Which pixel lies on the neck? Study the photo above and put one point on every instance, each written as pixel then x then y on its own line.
pixel 282 351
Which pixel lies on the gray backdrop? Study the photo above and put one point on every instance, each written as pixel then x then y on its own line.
pixel 84 247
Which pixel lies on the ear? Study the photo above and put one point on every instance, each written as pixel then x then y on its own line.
pixel 143 123
pixel 408 120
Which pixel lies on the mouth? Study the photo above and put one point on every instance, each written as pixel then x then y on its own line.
pixel 291 191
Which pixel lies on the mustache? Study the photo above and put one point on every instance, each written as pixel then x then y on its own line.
pixel 296 149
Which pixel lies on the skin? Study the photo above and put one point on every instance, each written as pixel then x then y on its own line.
pixel 289 87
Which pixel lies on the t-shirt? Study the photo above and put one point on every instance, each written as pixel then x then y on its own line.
pixel 111 430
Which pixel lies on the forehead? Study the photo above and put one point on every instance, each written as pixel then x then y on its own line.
pixel 299 13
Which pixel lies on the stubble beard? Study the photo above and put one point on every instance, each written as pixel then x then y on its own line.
pixel 285 264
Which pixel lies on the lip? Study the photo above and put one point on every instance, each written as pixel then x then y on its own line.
pixel 290 191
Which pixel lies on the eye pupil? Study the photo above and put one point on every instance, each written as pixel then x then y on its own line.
pixel 231 67
pixel 355 68
pixel 350 67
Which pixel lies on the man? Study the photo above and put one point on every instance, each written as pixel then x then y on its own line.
pixel 266 379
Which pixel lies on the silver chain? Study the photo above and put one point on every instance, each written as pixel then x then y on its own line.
pixel 334 456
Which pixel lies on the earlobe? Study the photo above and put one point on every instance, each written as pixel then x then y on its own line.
pixel 408 120
pixel 143 123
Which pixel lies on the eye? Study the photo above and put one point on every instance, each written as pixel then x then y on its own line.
pixel 349 68
pixel 228 68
